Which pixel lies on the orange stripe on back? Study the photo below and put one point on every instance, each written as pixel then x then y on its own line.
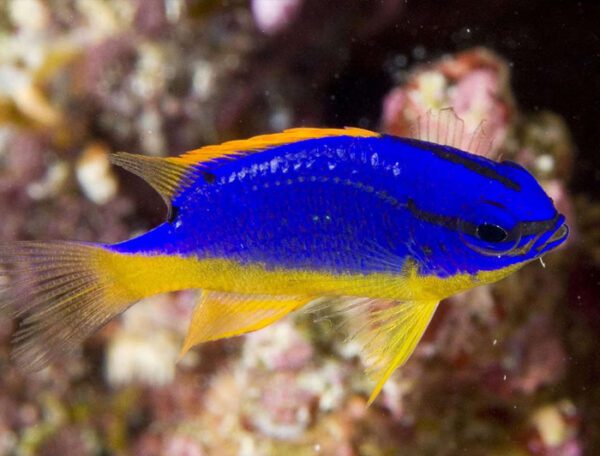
pixel 257 143
pixel 170 175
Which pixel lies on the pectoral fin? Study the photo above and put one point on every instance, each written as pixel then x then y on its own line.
pixel 389 334
pixel 219 315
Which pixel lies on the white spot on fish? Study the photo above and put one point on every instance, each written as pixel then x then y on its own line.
pixel 285 166
pixel 242 173
pixel 396 169
pixel 297 166
pixel 341 153
pixel 275 164
pixel 374 160
pixel 331 166
pixel 232 177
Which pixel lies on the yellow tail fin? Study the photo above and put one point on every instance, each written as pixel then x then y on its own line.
pixel 63 292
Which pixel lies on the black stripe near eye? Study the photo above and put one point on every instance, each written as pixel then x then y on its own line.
pixel 446 153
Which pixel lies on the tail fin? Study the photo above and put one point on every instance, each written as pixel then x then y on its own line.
pixel 63 292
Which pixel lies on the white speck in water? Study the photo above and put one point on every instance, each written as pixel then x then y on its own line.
pixel 400 61
pixel 504 378
pixel 419 52
pixel 542 262
pixel 241 173
pixel 280 120
pixel 331 166
pixel 495 342
pixel 396 169
pixel 232 177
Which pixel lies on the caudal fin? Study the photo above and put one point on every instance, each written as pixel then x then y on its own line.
pixel 62 291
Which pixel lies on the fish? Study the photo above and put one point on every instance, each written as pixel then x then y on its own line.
pixel 265 226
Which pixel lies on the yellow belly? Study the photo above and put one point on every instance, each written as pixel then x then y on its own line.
pixel 144 275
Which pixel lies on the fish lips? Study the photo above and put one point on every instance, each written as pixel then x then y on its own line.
pixel 553 237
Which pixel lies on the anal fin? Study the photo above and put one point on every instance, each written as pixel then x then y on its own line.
pixel 219 315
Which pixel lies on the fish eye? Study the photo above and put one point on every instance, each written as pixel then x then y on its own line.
pixel 489 228
pixel 490 232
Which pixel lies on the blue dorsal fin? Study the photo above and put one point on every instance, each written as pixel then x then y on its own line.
pixel 445 128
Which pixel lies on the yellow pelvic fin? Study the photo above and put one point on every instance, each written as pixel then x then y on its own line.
pixel 262 142
pixel 445 128
pixel 389 333
pixel 219 315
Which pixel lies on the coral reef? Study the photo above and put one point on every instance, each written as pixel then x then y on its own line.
pixel 498 371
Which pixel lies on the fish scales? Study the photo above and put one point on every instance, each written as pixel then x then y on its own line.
pixel 347 209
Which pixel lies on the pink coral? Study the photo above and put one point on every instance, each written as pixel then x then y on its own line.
pixel 285 409
pixel 537 356
pixel 273 16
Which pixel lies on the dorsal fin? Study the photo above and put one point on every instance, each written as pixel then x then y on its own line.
pixel 165 175
pixel 445 128
pixel 262 142
pixel 170 176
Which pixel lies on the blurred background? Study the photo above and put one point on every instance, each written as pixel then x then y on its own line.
pixel 510 369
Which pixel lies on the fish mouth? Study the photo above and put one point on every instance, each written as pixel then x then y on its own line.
pixel 553 237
